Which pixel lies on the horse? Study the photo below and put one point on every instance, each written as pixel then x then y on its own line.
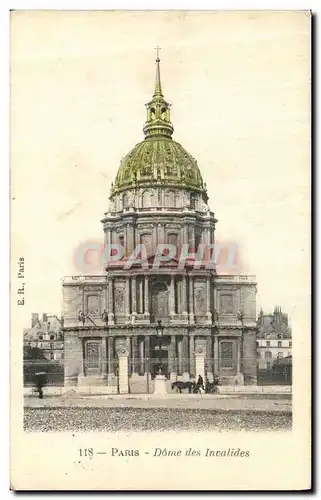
pixel 183 385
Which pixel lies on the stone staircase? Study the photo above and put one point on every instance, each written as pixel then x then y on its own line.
pixel 138 385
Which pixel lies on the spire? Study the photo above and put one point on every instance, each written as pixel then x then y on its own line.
pixel 158 85
pixel 158 113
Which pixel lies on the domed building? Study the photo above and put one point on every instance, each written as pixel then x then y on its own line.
pixel 152 310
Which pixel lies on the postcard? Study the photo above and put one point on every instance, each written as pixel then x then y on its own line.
pixel 160 250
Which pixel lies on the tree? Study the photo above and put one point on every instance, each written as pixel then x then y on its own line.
pixel 32 353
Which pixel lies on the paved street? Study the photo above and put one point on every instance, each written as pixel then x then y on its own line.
pixel 270 403
pixel 147 413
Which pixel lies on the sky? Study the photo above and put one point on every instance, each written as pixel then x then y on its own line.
pixel 239 87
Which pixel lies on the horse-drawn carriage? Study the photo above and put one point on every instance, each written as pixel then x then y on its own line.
pixel 196 387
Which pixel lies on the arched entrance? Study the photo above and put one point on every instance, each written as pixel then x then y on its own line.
pixel 159 302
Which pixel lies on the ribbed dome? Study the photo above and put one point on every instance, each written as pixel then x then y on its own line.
pixel 158 161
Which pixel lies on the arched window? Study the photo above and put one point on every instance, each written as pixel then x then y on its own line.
pixel 170 199
pixel 197 240
pixel 146 199
pixel 193 201
pixel 146 239
pixel 121 240
pixel 125 201
pixel 173 239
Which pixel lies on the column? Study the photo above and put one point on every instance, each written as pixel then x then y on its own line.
pixel 207 250
pixel 191 239
pixel 216 355
pixel 186 241
pixel 172 297
pixel 191 300
pixel 172 356
pixel 123 371
pixel 134 354
pixel 82 364
pixel 185 356
pixel 141 296
pixel 147 354
pixel 208 301
pixel 127 299
pixel 107 249
pixel 180 355
pixel 141 356
pixel 106 302
pixel 110 357
pixel 104 357
pixel 134 304
pixel 184 297
pixel 238 356
pixel 111 301
pixel 200 365
pixel 130 238
pixel 209 354
pixel 146 295
pixel 191 355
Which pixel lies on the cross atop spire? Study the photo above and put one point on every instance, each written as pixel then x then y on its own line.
pixel 158 49
pixel 158 86
pixel 158 123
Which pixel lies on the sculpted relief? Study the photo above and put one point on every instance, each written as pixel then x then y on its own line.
pixel 119 300
pixel 200 300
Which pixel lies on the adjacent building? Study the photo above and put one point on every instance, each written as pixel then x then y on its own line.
pixel 45 334
pixel 159 197
pixel 274 338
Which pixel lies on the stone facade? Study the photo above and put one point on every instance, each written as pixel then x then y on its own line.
pixel 207 320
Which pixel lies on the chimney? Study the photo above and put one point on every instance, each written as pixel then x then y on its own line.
pixel 44 317
pixel 34 319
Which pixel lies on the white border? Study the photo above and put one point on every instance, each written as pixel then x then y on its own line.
pixel 5 6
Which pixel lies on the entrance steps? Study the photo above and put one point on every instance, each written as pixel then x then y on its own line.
pixel 138 385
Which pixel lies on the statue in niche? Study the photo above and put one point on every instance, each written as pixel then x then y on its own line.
pixel 200 300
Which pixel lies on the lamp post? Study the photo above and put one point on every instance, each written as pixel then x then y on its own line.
pixel 117 375
pixel 147 363
pixel 159 333
pixel 205 373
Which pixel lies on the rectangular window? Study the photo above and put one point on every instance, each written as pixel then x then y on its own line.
pixel 268 365
pixel 268 355
pixel 280 355
pixel 52 356
pixel 226 354
pixel 280 343
pixel 290 344
pixel 268 343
